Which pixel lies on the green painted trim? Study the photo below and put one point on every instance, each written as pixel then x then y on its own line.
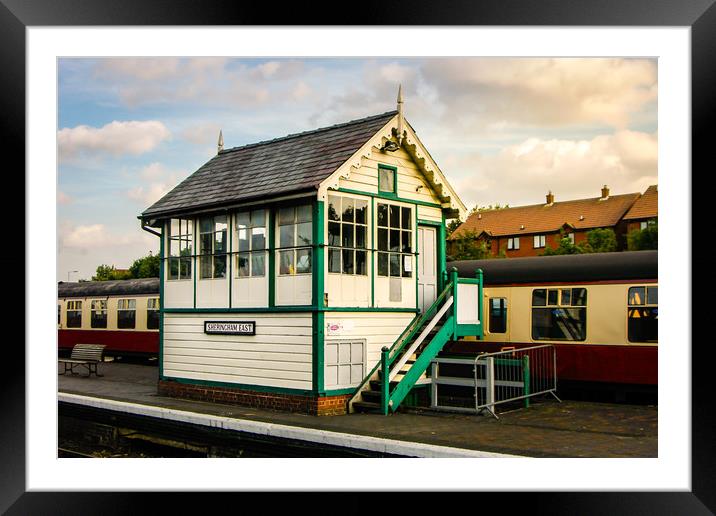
pixel 372 253
pixel 318 297
pixel 383 196
pixel 272 258
pixel 417 253
pixel 526 379
pixel 279 309
pixel 423 222
pixel 229 255
pixel 338 392
pixel 464 330
pixel 394 193
pixel 442 253
pixel 163 264
pixel 257 388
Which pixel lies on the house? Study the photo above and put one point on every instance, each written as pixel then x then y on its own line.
pixel 288 264
pixel 528 230
pixel 644 211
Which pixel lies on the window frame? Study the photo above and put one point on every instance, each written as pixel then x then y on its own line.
pixel 541 238
pixel 503 308
pixel 185 241
pixel 354 224
pixel 153 310
pixel 576 302
pixel 133 304
pixel 513 244
pixel 76 307
pixel 294 249
pixel 401 229
pixel 394 170
pixel 93 310
pixel 213 256
pixel 251 251
pixel 645 305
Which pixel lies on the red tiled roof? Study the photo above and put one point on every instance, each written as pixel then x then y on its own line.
pixel 646 207
pixel 543 218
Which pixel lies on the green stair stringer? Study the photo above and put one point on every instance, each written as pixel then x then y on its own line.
pixel 421 364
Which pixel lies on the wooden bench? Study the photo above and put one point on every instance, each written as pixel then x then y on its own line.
pixel 86 355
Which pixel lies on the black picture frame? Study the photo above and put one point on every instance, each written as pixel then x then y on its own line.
pixel 699 15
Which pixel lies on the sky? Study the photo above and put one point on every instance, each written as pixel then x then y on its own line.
pixel 503 130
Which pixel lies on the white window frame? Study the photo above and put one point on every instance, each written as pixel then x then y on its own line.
pixel 238 227
pixel 401 254
pixel 213 254
pixel 539 241
pixel 295 249
pixel 185 240
pixel 513 244
pixel 127 305
pixel 352 249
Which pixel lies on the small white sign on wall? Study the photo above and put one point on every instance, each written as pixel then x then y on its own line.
pixel 339 327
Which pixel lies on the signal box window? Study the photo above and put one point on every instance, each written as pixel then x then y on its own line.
pixel 395 237
pixel 498 315
pixel 74 314
pixel 559 314
pixel 295 229
pixel 99 313
pixel 251 236
pixel 213 246
pixel 153 313
pixel 386 180
pixel 347 235
pixel 643 314
pixel 180 249
pixel 126 313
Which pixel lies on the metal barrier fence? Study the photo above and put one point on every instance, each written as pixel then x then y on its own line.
pixel 496 378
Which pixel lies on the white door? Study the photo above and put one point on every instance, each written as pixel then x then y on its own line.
pixel 427 267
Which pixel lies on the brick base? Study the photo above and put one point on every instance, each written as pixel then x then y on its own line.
pixel 314 405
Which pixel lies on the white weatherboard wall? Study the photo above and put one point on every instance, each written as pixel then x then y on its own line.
pixel 279 355
pixel 377 329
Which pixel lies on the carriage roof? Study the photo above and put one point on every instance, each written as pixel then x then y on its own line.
pixel 128 287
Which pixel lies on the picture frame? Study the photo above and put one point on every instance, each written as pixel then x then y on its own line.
pixel 16 16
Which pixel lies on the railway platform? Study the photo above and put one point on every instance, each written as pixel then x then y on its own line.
pixel 546 429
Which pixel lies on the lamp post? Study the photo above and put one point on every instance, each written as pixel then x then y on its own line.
pixel 68 275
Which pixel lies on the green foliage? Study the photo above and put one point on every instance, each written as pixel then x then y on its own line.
pixel 468 247
pixel 601 240
pixel 108 272
pixel 643 239
pixel 451 226
pixel 565 247
pixel 146 267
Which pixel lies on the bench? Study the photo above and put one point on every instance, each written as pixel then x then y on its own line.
pixel 86 355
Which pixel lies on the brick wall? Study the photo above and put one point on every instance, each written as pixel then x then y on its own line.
pixel 314 405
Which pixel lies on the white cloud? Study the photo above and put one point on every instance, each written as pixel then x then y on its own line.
pixel 115 138
pixel 522 174
pixel 155 181
pixel 202 133
pixel 63 198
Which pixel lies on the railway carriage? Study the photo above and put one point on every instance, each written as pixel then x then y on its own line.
pixel 123 315
pixel 600 311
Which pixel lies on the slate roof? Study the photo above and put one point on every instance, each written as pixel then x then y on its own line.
pixel 293 163
pixel 543 218
pixel 108 288
pixel 626 265
pixel 646 207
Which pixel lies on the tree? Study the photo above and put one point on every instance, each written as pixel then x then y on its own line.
pixel 146 267
pixel 643 239
pixel 468 247
pixel 565 247
pixel 601 240
pixel 108 272
pixel 451 226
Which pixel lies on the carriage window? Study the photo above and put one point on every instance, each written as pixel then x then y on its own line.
pixel 395 238
pixel 99 313
pixel 643 314
pixel 347 235
pixel 74 314
pixel 153 313
pixel 126 313
pixel 559 314
pixel 212 246
pixel 180 249
pixel 295 228
pixel 498 315
pixel 251 238
pixel 59 313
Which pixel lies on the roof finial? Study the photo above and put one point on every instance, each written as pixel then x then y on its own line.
pixel 400 114
pixel 220 144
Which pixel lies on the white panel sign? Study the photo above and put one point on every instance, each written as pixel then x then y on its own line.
pixel 467 309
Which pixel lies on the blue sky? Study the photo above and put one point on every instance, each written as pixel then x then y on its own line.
pixel 503 130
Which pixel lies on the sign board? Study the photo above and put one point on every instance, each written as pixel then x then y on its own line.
pixel 230 327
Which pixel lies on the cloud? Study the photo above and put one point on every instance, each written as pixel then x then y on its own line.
pixel 201 133
pixel 155 182
pixel 522 173
pixel 93 236
pixel 115 138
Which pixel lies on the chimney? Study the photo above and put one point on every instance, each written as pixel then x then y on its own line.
pixel 550 198
pixel 605 192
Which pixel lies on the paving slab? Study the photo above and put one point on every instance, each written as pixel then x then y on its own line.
pixel 546 429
